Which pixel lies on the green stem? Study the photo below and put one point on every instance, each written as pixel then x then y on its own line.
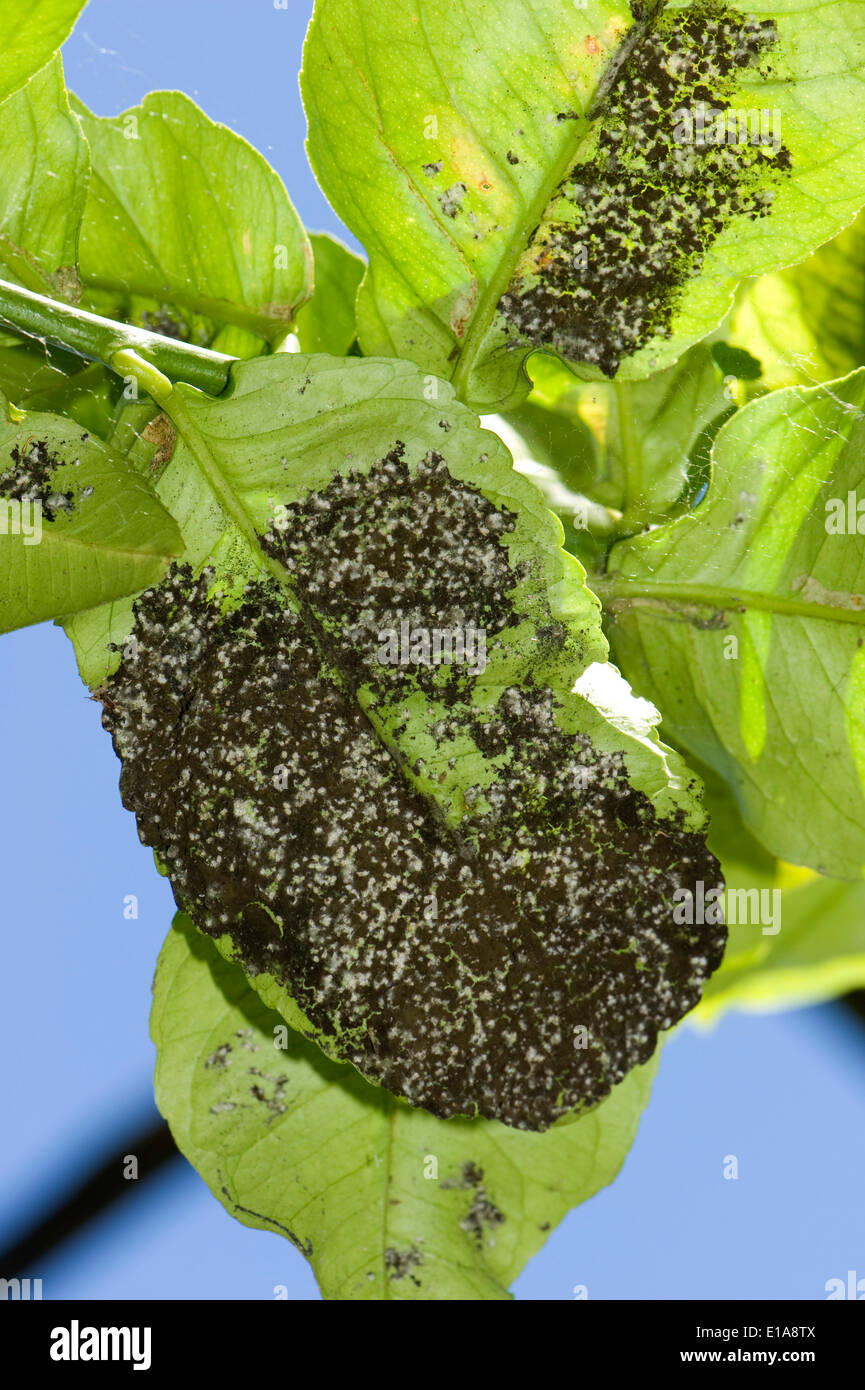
pixel 626 593
pixel 100 339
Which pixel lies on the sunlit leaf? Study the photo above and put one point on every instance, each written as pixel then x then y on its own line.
pixel 745 620
pixel 545 175
pixel 385 1202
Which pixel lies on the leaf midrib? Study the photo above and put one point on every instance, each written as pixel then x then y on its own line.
pixel 205 456
pixel 520 239
pixel 236 512
pixel 618 593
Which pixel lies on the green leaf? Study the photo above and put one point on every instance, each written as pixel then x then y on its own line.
pixel 31 31
pixel 650 439
pixel 554 433
pixel 793 938
pixel 43 378
pixel 145 438
pixel 326 322
pixel 817 953
pixel 77 527
pixel 745 861
pixel 746 618
pixel 386 1202
pixel 45 172
pixel 187 227
pixel 447 871
pixel 807 324
pixel 557 451
pixel 533 176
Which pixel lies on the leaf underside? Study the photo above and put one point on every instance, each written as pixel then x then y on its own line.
pixel 77 526
pixel 749 615
pixel 385 1201
pixel 575 181
pixel 460 875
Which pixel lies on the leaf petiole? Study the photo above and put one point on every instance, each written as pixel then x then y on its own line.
pixel 130 364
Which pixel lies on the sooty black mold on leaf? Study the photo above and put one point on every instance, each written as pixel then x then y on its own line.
pixel 677 157
pixel 516 962
pixel 31 479
pixel 163 321
pixel 401 1264
pixel 452 199
pixel 482 1217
